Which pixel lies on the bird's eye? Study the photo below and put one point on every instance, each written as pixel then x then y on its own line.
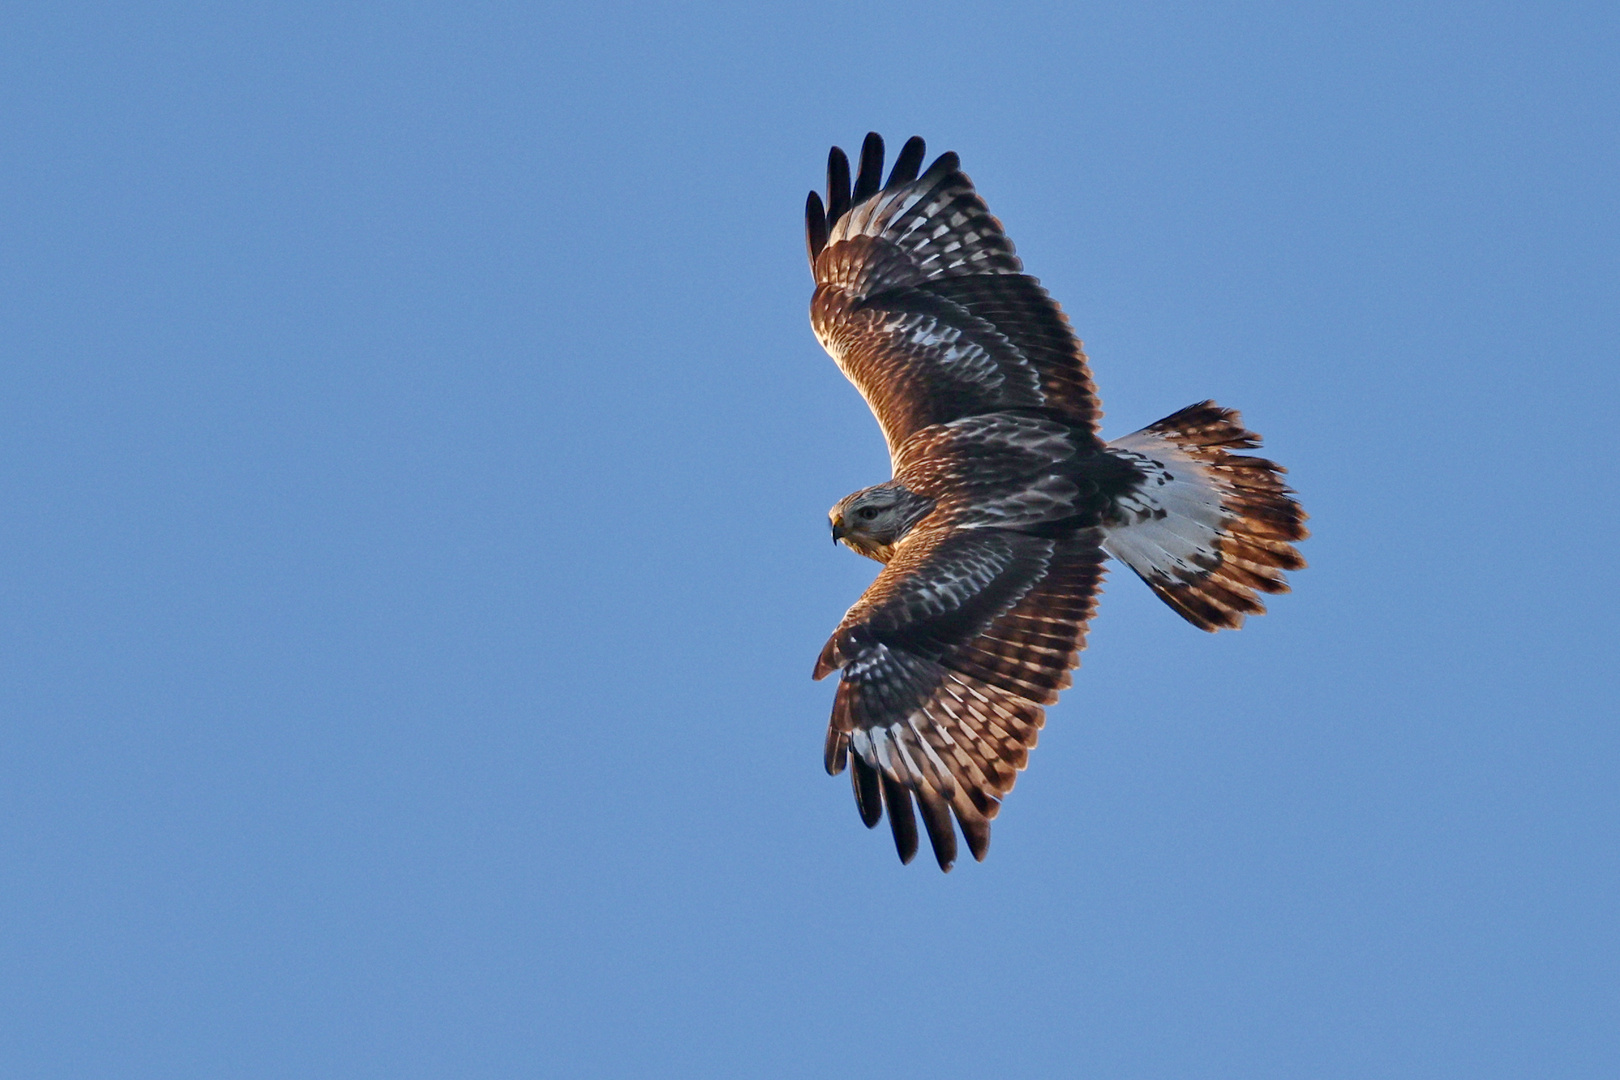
pixel 866 513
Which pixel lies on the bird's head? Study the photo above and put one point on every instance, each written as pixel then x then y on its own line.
pixel 874 519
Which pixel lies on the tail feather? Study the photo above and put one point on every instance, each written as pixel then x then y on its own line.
pixel 1207 529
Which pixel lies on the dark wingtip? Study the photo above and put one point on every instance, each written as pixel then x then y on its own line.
pixel 902 819
pixel 870 178
pixel 826 663
pixel 937 820
pixel 909 161
pixel 868 181
pixel 868 791
pixel 815 226
pixel 977 834
pixel 837 185
pixel 835 755
pixel 947 162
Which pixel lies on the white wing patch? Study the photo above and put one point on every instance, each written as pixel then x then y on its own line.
pixel 944 348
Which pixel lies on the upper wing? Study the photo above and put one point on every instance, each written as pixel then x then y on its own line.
pixel 947 659
pixel 923 304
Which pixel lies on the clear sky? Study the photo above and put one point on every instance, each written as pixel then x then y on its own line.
pixel 414 460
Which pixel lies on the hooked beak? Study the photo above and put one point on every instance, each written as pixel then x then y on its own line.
pixel 838 532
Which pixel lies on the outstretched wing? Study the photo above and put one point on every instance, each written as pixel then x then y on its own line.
pixel 923 304
pixel 947 660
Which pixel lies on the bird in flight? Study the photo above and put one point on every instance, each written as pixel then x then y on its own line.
pixel 1004 503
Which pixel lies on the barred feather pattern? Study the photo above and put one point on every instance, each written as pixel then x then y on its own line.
pixel 1003 470
pixel 923 303
pixel 944 707
pixel 986 402
pixel 1207 529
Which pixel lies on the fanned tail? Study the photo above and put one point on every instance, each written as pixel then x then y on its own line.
pixel 1207 529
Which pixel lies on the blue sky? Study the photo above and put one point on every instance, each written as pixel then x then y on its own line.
pixel 413 467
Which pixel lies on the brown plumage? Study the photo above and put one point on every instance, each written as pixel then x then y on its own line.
pixel 1004 503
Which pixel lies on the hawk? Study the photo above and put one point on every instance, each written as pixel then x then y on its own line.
pixel 1004 503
